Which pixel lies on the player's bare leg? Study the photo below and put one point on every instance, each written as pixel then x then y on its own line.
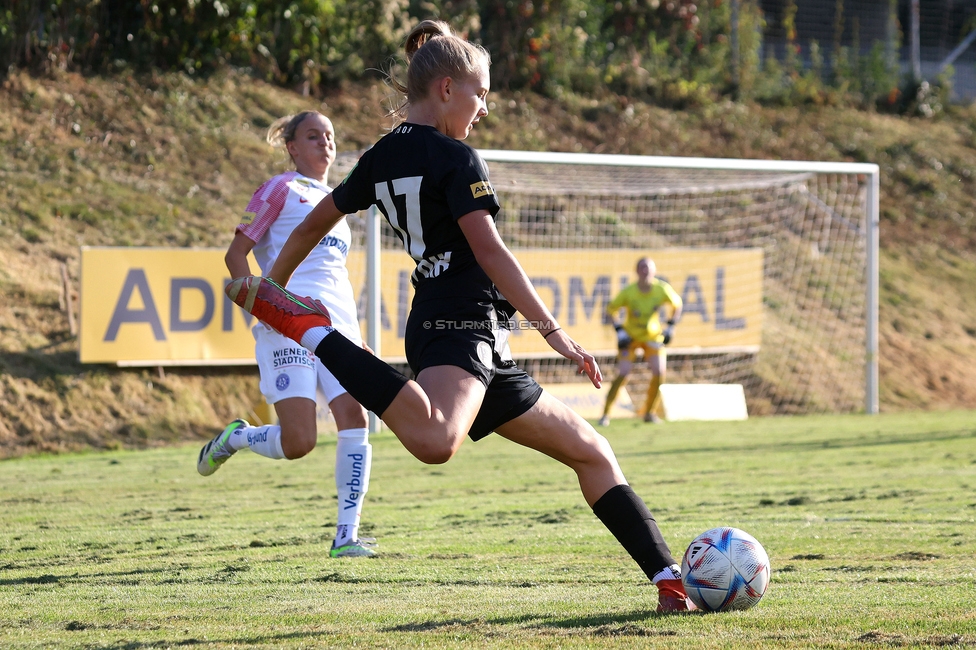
pixel 299 434
pixel 559 432
pixel 652 403
pixel 619 382
pixel 554 429
pixel 431 425
pixel 432 416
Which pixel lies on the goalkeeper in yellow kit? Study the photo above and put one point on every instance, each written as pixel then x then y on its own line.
pixel 642 330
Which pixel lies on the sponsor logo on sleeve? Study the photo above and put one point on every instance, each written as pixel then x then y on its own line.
pixel 248 217
pixel 481 188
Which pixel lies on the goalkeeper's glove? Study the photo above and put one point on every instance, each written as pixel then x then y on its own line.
pixel 623 338
pixel 668 332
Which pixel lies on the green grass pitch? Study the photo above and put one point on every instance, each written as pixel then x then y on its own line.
pixel 868 521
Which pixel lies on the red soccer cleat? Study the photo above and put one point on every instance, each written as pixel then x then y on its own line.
pixel 671 597
pixel 277 307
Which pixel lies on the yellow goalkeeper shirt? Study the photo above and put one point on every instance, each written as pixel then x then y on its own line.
pixel 642 322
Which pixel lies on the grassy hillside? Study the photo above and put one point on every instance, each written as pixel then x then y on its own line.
pixel 168 160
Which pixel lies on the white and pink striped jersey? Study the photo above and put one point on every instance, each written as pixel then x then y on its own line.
pixel 273 213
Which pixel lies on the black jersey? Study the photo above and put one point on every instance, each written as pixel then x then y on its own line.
pixel 424 181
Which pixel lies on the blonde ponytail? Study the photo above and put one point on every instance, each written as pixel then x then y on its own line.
pixel 434 51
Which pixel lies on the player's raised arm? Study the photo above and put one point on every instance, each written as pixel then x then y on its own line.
pixel 304 238
pixel 504 270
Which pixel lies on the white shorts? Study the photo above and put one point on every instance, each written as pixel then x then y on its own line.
pixel 289 370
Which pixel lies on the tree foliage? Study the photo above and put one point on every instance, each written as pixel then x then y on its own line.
pixel 673 52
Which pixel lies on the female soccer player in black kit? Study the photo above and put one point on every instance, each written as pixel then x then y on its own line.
pixel 435 192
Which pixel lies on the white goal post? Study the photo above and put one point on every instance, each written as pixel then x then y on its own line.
pixel 807 230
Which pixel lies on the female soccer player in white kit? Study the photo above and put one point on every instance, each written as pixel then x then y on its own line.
pixel 290 374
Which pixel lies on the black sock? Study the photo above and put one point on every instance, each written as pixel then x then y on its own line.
pixel 626 516
pixel 371 381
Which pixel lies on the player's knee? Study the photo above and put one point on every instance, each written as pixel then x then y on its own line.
pixel 295 445
pixel 436 449
pixel 434 454
pixel 600 443
pixel 598 449
pixel 297 451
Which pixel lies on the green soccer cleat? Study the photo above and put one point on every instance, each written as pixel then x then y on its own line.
pixel 216 452
pixel 355 548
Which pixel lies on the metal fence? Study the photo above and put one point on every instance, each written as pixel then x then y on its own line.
pixel 926 36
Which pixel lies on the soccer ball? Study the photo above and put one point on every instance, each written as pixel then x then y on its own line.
pixel 725 569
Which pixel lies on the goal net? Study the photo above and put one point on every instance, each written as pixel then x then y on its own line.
pixel 773 261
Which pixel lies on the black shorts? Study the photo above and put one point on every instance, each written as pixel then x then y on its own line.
pixel 466 334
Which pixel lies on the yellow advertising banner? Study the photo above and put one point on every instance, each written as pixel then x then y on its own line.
pixel 154 306
pixel 721 290
pixel 160 306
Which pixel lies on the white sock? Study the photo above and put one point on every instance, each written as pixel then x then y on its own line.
pixel 265 440
pixel 313 336
pixel 343 535
pixel 353 460
pixel 238 439
pixel 673 572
